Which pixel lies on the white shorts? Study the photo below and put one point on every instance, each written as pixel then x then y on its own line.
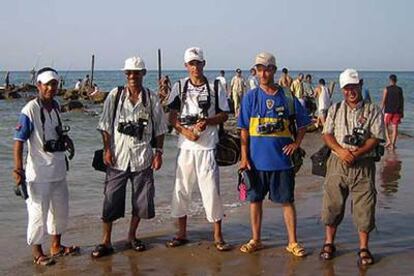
pixel 197 166
pixel 48 209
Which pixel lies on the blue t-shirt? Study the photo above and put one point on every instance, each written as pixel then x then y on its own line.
pixel 257 107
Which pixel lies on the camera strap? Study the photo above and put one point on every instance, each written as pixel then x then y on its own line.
pixel 183 91
pixel 363 113
pixel 43 119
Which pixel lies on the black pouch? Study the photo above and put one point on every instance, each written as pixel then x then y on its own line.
pixel 319 160
pixel 297 159
pixel 227 150
pixel 98 161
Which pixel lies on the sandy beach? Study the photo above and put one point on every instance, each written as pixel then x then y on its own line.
pixel 392 241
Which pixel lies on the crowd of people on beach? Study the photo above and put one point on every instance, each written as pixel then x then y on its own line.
pixel 272 117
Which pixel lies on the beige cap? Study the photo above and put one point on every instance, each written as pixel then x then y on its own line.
pixel 349 76
pixel 134 64
pixel 265 59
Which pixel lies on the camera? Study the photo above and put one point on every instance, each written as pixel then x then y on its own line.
pixel 59 144
pixel 134 129
pixel 269 128
pixel 357 138
pixel 21 190
pixel 204 104
pixel 188 120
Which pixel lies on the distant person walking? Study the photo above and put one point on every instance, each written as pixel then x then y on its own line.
pixel 285 80
pixel 393 107
pixel 252 81
pixel 237 87
pixel 297 88
pixel 324 102
pixel 222 79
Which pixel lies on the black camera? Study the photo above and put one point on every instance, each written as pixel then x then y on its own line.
pixel 204 104
pixel 269 128
pixel 379 151
pixel 357 138
pixel 59 144
pixel 134 129
pixel 21 190
pixel 188 120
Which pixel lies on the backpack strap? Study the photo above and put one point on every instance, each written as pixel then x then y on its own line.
pixel 292 111
pixel 117 98
pixel 216 105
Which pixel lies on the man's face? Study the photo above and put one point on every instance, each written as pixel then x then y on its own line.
pixel 300 77
pixel 134 77
pixel 195 68
pixel 47 91
pixel 352 93
pixel 265 74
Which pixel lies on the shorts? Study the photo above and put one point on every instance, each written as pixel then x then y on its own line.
pixel 359 181
pixel 279 184
pixel 392 118
pixel 142 196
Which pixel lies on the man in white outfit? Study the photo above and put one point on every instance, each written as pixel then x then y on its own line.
pixel 47 203
pixel 197 108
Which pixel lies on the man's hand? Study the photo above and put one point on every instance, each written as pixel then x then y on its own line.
pixel 290 149
pixel 244 164
pixel 156 161
pixel 346 156
pixel 18 176
pixel 201 125
pixel 108 158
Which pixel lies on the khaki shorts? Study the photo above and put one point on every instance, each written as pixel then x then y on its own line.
pixel 359 181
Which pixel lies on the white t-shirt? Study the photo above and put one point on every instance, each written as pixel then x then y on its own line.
pixel 209 137
pixel 324 101
pixel 253 83
pixel 222 80
pixel 78 85
pixel 41 166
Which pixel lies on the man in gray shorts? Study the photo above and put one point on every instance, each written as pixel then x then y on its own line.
pixel 131 117
pixel 353 130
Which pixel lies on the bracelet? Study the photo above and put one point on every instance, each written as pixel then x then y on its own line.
pixel 159 150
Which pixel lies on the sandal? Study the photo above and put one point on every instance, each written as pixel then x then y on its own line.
pixel 43 260
pixel 66 251
pixel 138 245
pixel 296 249
pixel 102 250
pixel 251 246
pixel 175 242
pixel 365 257
pixel 222 246
pixel 327 252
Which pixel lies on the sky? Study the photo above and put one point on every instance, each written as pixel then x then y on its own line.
pixel 302 34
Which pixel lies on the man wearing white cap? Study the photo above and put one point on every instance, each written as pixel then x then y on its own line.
pixel 197 108
pixel 45 174
pixel 353 130
pixel 132 116
pixel 273 124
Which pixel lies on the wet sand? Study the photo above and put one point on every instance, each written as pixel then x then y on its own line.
pixel 392 243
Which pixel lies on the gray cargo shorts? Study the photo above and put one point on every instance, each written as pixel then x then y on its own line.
pixel 142 197
pixel 357 180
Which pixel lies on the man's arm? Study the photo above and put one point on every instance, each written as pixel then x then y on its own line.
pixel 108 156
pixel 344 154
pixel 368 146
pixel 18 171
pixel 384 95
pixel 244 140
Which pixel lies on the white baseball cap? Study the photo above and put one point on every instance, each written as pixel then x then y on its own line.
pixel 47 75
pixel 193 53
pixel 349 76
pixel 265 59
pixel 134 64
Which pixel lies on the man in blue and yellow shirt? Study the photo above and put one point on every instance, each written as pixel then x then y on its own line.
pixel 269 118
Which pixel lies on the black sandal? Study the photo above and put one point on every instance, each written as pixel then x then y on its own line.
pixel 367 259
pixel 102 250
pixel 175 242
pixel 138 245
pixel 66 251
pixel 327 254
pixel 43 260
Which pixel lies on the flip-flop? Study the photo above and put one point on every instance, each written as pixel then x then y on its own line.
pixel 222 246
pixel 367 259
pixel 175 242
pixel 102 250
pixel 327 254
pixel 66 251
pixel 138 245
pixel 43 260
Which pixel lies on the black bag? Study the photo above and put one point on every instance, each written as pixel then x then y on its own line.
pixel 98 161
pixel 297 159
pixel 227 149
pixel 319 160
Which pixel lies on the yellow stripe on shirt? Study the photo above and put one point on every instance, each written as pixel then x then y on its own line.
pixel 254 122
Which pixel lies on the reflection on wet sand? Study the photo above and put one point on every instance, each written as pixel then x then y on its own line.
pixel 390 173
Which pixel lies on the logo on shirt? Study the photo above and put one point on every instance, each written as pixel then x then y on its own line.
pixel 18 127
pixel 270 104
